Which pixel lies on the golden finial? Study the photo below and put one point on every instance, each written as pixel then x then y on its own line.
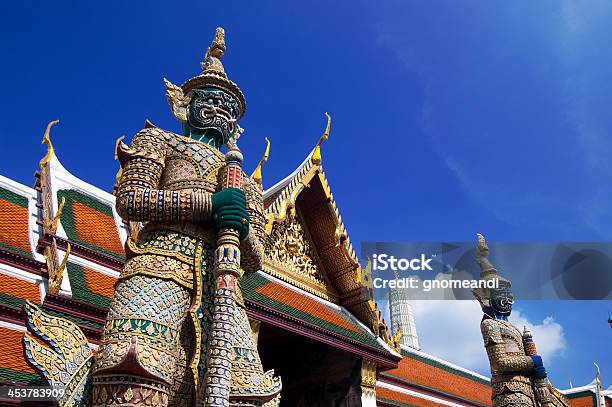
pixel 62 265
pixel 55 221
pixel 118 176
pixel 316 155
pixel 56 275
pixel 397 336
pixel 214 53
pixel 256 176
pixel 46 140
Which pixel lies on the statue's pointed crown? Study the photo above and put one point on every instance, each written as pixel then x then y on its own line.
pixel 214 53
pixel 213 72
pixel 487 272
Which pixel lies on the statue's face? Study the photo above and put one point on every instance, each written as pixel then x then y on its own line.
pixel 212 114
pixel 502 301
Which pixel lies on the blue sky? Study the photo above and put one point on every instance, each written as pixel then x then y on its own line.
pixel 449 117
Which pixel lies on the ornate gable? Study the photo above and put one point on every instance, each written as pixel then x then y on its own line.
pixel 291 256
pixel 309 246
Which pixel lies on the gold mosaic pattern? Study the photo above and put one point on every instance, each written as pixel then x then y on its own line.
pixel 290 247
pixel 67 360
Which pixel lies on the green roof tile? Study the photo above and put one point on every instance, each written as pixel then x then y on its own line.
pixel 250 284
pixel 80 290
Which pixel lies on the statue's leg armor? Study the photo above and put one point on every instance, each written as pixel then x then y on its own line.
pixel 142 357
pixel 514 400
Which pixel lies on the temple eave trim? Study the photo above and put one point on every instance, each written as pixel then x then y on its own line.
pixel 82 251
pixel 427 390
pixel 265 314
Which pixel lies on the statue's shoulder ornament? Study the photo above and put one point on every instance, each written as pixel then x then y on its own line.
pixel 491 331
pixel 149 143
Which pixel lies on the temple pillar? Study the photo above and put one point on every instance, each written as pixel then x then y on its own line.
pixel 368 383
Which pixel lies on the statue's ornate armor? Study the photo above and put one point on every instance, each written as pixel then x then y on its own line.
pixel 154 347
pixel 510 366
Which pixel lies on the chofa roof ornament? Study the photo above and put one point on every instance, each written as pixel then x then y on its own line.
pixel 316 155
pixel 256 176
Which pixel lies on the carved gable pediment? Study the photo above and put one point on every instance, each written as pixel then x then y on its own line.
pixel 291 256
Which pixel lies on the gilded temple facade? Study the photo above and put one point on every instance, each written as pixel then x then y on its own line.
pixel 296 312
pixel 310 299
pixel 309 311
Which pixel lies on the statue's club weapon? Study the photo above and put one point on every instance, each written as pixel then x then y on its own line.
pixel 226 275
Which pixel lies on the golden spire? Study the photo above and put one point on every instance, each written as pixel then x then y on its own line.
pixel 398 335
pixel 214 53
pixel 482 252
pixel 257 173
pixel 46 140
pixel 316 155
pixel 213 74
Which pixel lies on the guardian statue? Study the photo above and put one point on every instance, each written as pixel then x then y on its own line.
pixel 176 333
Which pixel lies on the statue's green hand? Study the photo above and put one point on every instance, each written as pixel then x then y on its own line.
pixel 229 211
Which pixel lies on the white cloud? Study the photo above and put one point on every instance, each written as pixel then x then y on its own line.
pixel 451 330
pixel 548 336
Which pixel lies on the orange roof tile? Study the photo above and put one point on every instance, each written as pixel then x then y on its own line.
pixel 439 378
pixel 386 394
pixel 14 226
pixel 16 287
pixel 96 228
pixel 304 303
pixel 99 283
pixel 12 349
pixel 586 401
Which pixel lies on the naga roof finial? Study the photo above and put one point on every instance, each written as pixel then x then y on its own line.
pixel 214 53
pixel 316 155
pixel 47 140
pixel 257 173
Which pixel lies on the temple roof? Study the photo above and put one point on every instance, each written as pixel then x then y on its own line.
pixel 64 210
pixel 87 215
pixel 391 396
pixel 15 369
pixel 427 375
pixel 302 312
pixel 91 286
pixel 90 222
pixel 588 395
pixel 17 218
pixel 15 289
pixel 305 191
